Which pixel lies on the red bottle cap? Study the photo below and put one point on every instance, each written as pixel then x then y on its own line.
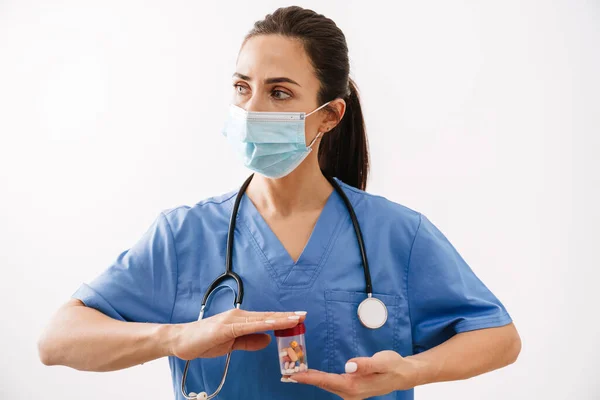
pixel 297 330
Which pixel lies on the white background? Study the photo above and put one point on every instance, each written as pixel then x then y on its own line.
pixel 483 115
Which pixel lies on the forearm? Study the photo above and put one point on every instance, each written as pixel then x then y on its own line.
pixel 85 339
pixel 467 354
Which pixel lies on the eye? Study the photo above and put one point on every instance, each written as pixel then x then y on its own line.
pixel 280 95
pixel 240 89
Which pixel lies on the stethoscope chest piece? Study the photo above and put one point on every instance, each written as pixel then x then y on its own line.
pixel 372 313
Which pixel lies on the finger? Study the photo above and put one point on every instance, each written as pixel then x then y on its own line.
pixel 238 329
pixel 254 342
pixel 363 366
pixel 380 362
pixel 326 381
pixel 252 316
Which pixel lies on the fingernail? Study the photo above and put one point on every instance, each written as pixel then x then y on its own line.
pixel 293 317
pixel 291 380
pixel 301 313
pixel 269 321
pixel 351 367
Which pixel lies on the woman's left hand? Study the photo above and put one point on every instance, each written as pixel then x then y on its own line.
pixel 365 377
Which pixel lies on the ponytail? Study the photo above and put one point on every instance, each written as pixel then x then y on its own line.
pixel 343 152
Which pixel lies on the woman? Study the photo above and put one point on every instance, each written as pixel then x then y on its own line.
pixel 294 248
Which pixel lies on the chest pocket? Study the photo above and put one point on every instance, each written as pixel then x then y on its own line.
pixel 348 338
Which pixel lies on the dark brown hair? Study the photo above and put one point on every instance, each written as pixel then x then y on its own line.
pixel 343 152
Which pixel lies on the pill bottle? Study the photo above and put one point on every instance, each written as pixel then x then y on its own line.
pixel 291 346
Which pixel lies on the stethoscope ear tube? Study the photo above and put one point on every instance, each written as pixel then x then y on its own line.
pixel 204 395
pixel 229 253
pixel 220 280
pixel 359 237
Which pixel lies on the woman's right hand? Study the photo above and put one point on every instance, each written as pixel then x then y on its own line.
pixel 231 330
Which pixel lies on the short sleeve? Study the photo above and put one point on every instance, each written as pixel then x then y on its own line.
pixel 445 296
pixel 140 285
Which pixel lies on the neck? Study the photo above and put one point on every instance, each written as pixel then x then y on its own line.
pixel 304 189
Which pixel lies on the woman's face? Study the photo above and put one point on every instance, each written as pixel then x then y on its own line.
pixel 274 73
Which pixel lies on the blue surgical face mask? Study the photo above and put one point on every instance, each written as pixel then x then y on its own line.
pixel 272 144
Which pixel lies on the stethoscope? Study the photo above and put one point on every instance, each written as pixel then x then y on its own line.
pixel 372 312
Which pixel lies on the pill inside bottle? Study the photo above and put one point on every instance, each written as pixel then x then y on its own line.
pixel 291 345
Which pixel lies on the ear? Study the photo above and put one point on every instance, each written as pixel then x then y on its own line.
pixel 334 112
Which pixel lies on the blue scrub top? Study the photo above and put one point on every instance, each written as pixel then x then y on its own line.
pixel 430 292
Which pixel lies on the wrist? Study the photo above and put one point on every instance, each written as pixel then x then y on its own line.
pixel 419 371
pixel 167 335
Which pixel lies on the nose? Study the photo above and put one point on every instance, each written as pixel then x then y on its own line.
pixel 255 103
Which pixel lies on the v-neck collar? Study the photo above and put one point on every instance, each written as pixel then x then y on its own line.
pixel 315 251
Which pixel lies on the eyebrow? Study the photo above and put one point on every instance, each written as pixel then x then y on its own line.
pixel 267 81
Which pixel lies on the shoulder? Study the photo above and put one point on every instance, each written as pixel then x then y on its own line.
pixel 207 212
pixel 382 209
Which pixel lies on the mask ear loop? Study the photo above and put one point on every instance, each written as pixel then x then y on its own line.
pixel 318 133
pixel 312 112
